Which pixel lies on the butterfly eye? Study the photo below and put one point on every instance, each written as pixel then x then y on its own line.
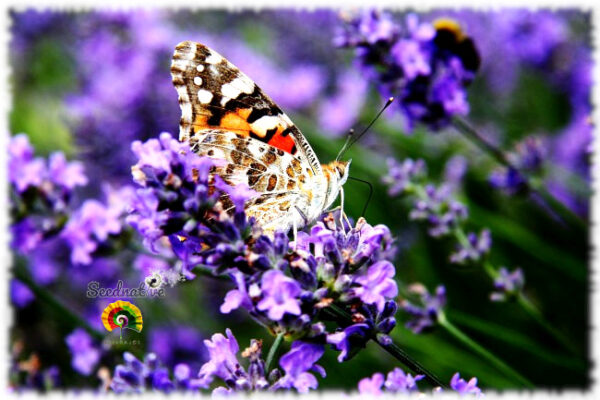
pixel 340 170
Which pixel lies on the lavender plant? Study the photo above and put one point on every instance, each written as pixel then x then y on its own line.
pixel 335 287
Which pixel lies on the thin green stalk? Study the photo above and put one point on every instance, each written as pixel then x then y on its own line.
pixel 344 318
pixel 536 314
pixel 477 348
pixel 273 350
pixel 62 311
pixel 565 214
pixel 528 306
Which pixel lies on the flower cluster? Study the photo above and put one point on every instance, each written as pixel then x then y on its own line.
pixel 437 206
pixel 526 160
pixel 397 381
pixel 281 284
pixel 136 376
pixel 223 364
pixel 508 284
pixel 40 192
pixel 427 66
pixel 426 313
pixel 85 355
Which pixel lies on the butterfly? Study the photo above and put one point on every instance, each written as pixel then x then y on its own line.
pixel 226 116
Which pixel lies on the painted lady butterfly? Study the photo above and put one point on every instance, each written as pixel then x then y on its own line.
pixel 225 115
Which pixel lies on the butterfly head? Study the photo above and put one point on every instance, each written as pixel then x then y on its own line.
pixel 337 174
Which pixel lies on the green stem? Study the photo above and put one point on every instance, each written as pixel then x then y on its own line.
pixel 61 310
pixel 528 306
pixel 344 319
pixel 565 214
pixel 273 350
pixel 477 348
pixel 536 314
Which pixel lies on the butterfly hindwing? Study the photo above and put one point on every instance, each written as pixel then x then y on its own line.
pixel 214 94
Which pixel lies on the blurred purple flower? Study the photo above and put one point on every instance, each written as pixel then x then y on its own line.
pixel 399 381
pixel 426 66
pixel 476 247
pixel 26 235
pixel 20 294
pixel 507 284
pixel 85 356
pixel 463 387
pixel 338 112
pixel 177 344
pixel 425 314
pixel 137 377
pixel 400 175
pixel 371 386
pixel 88 227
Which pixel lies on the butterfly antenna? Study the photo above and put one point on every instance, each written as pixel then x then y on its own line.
pixel 357 138
pixel 364 211
pixel 346 143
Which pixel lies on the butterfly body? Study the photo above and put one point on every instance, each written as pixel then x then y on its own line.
pixel 226 116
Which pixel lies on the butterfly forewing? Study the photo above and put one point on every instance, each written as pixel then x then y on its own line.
pixel 225 115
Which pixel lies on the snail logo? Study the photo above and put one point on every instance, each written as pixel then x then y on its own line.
pixel 124 315
pixel 154 281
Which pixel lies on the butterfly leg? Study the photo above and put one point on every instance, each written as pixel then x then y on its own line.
pixel 343 216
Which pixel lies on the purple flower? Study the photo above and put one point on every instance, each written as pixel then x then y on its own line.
pixel 349 340
pixel 280 295
pixel 401 175
pixel 85 356
pixel 297 362
pixel 463 387
pixel 371 386
pixel 411 58
pixel 399 381
pixel 65 174
pixel 378 284
pixel 223 358
pixel 26 235
pixel 426 66
pixel 90 225
pixel 338 112
pixel 136 376
pixel 507 284
pixel 425 315
pixel 475 249
pixel 177 344
pixel 20 293
pixel 24 170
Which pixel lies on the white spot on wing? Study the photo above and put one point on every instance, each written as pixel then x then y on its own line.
pixel 204 96
pixel 214 58
pixel 198 81
pixel 199 67
pixel 239 85
pixel 265 123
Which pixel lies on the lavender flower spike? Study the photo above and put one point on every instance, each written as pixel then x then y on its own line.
pixel 463 387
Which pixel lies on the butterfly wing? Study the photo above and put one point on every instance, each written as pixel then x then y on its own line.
pixel 214 94
pixel 225 115
pixel 277 176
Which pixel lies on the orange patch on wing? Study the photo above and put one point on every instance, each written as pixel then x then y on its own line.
pixel 285 143
pixel 235 121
